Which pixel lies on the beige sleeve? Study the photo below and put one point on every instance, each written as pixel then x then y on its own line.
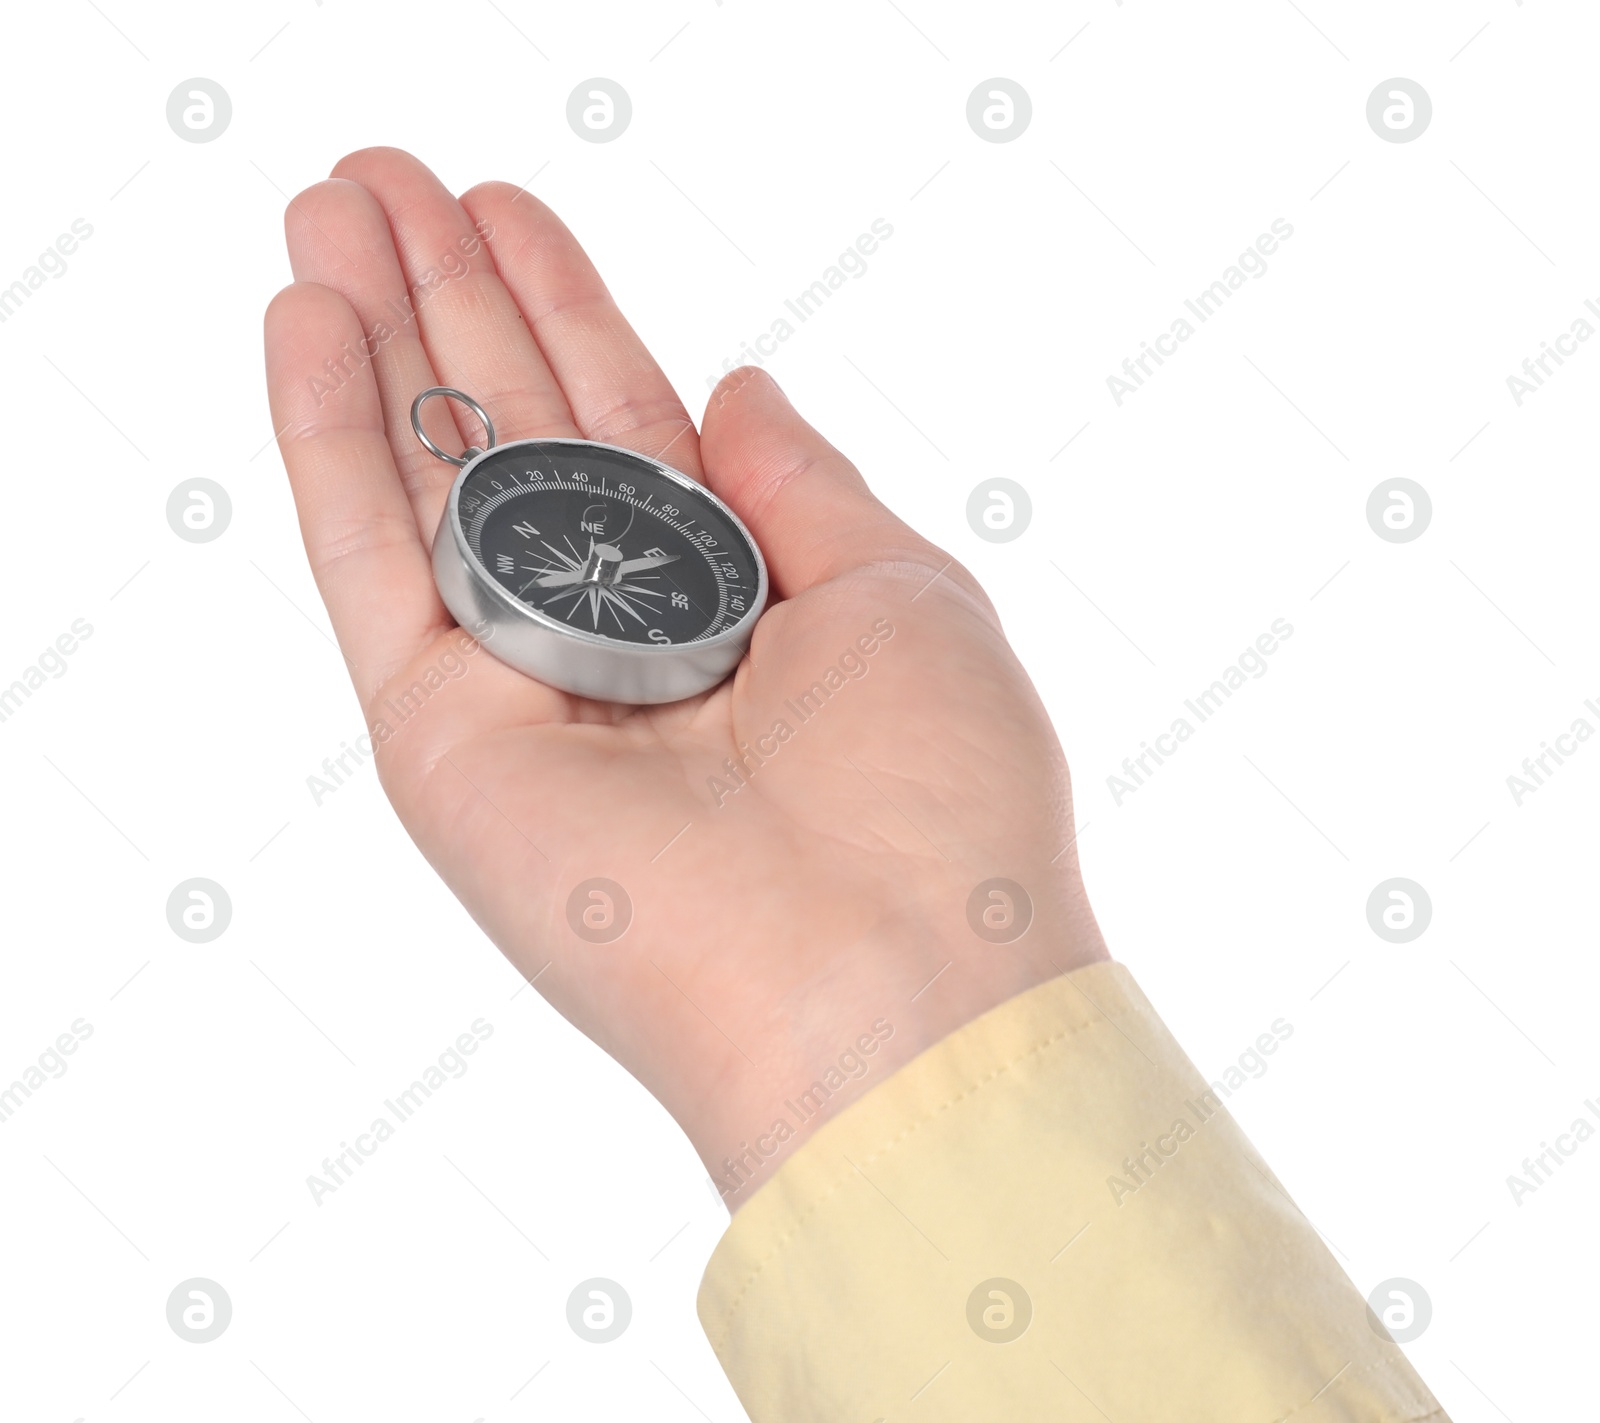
pixel 968 1241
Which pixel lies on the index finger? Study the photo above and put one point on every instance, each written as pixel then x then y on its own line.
pixel 617 392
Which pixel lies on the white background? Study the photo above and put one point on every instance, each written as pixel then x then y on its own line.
pixel 1166 536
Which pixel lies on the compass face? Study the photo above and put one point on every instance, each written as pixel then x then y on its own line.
pixel 606 544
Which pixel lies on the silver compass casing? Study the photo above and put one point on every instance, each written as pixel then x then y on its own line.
pixel 564 656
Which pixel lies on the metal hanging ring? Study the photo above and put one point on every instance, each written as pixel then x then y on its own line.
pixel 472 451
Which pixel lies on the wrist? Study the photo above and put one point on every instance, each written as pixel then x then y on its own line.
pixel 853 1022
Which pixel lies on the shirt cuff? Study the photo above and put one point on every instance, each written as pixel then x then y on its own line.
pixel 1047 1214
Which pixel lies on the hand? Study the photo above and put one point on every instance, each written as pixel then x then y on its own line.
pixel 800 844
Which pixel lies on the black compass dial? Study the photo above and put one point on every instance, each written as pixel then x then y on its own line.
pixel 605 543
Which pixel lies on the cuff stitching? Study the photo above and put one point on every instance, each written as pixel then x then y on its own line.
pixel 1386 1366
pixel 783 1241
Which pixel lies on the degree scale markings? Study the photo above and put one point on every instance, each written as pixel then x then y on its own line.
pixel 486 505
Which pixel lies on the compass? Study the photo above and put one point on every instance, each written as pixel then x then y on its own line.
pixel 592 568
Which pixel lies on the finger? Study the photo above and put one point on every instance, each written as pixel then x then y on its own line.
pixel 339 237
pixel 471 329
pixel 806 504
pixel 360 535
pixel 616 391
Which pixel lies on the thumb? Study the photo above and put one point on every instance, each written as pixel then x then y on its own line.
pixel 806 504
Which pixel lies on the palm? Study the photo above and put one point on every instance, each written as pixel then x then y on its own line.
pixel 796 863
